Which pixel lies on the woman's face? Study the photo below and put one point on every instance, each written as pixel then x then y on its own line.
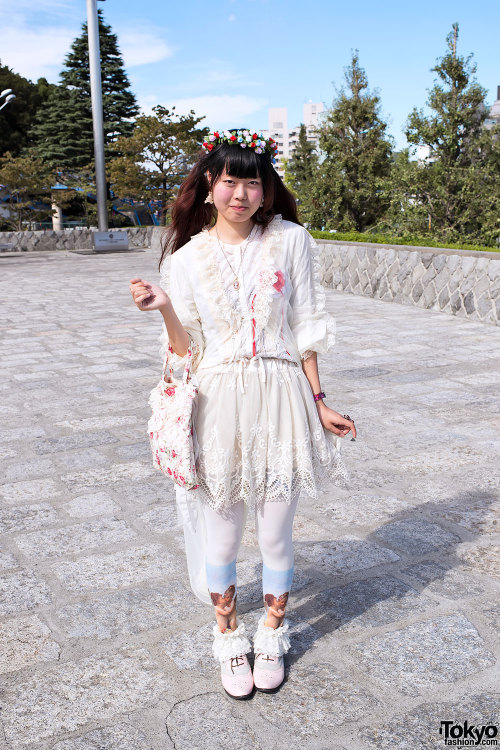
pixel 237 199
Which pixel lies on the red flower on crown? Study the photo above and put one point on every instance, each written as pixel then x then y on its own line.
pixel 245 138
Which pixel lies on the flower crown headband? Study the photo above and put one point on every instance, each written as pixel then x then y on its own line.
pixel 245 139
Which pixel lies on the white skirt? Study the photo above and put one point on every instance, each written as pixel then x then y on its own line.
pixel 259 437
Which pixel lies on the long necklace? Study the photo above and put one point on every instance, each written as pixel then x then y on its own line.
pixel 244 245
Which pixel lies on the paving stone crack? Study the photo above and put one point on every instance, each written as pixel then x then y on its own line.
pixel 178 703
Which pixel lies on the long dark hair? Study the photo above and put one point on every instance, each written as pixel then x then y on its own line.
pixel 190 213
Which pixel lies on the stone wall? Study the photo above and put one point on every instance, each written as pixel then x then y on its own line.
pixel 458 282
pixel 69 239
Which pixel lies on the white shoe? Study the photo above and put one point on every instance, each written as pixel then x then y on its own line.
pixel 230 649
pixel 270 645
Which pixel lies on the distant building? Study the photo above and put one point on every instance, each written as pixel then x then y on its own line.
pixel 287 138
pixel 313 114
pixel 278 129
pixel 494 113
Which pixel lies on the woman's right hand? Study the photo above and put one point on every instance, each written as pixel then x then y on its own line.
pixel 148 296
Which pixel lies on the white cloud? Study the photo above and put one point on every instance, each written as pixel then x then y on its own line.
pixel 221 111
pixel 38 50
pixel 146 103
pixel 36 53
pixel 40 6
pixel 232 17
pixel 140 47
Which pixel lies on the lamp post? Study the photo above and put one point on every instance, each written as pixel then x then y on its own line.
pixel 97 117
pixel 9 96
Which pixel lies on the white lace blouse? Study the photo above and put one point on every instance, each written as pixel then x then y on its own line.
pixel 278 310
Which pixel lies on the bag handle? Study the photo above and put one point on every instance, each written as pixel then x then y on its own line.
pixel 187 367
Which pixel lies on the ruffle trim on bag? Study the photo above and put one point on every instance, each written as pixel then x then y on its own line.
pixel 231 643
pixel 271 641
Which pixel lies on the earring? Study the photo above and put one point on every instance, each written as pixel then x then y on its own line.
pixel 209 198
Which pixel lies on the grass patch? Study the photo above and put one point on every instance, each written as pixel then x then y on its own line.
pixel 385 239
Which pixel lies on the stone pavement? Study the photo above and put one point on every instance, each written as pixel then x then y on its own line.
pixel 395 601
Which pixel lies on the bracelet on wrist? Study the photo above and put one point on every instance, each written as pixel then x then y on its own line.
pixel 318 396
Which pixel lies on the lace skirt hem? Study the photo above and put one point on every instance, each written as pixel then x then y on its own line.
pixel 259 437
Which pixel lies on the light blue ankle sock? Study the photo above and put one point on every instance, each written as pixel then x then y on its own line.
pixel 221 580
pixel 276 585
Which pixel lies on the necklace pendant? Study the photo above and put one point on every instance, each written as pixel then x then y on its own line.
pixel 236 284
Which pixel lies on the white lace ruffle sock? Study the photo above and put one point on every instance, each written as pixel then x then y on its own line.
pixel 231 643
pixel 271 641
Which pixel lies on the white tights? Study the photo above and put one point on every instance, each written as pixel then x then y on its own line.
pixel 274 525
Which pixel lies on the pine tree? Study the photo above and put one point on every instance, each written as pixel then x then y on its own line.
pixel 118 102
pixel 349 192
pixel 300 173
pixel 64 137
pixel 455 187
pixel 64 131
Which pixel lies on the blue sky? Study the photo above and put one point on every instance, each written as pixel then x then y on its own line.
pixel 233 59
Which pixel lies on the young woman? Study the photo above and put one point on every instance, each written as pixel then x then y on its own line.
pixel 241 287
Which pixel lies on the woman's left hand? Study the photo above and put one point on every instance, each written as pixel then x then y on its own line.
pixel 335 422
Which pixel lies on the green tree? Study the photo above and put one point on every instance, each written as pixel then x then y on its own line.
pixel 157 156
pixel 301 172
pixel 63 132
pixel 349 193
pixel 405 215
pixel 79 199
pixel 17 117
pixel 28 182
pixel 456 187
pixel 62 136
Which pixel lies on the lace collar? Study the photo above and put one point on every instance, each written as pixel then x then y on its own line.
pixel 210 274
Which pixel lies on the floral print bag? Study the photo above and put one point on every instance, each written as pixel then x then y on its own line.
pixel 170 427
